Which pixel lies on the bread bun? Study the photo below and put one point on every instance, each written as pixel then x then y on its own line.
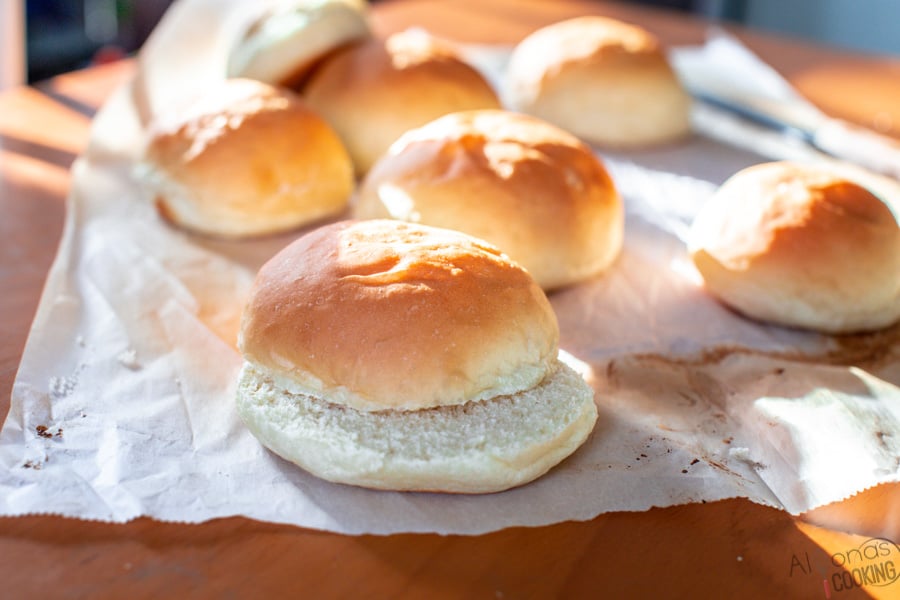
pixel 802 246
pixel 282 45
pixel 387 315
pixel 246 159
pixel 529 188
pixel 398 356
pixel 606 81
pixel 375 91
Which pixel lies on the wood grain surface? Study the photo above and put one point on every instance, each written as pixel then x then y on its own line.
pixel 732 548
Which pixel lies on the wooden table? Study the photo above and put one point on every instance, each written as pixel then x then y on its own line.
pixel 731 548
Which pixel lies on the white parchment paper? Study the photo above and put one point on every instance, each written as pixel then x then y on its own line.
pixel 123 404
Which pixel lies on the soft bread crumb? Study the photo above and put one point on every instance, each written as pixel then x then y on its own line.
pixel 480 446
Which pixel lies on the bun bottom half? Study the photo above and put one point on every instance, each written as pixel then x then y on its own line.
pixel 478 447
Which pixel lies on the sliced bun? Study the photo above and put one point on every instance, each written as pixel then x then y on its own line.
pixel 606 81
pixel 246 159
pixel 282 45
pixel 375 91
pixel 398 356
pixel 802 246
pixel 529 188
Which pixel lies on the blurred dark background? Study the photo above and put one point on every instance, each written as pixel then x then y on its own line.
pixel 62 35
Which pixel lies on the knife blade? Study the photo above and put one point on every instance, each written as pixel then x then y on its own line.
pixel 724 74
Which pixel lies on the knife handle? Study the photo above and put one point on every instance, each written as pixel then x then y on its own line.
pixel 859 145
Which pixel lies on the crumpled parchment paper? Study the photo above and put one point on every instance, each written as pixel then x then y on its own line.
pixel 123 404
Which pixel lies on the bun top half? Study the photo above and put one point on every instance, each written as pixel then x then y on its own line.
pixel 381 315
pixel 530 188
pixel 606 81
pixel 245 159
pixel 375 91
pixel 800 245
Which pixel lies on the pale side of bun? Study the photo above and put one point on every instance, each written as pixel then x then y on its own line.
pixel 246 159
pixel 375 91
pixel 286 42
pixel 380 314
pixel 802 246
pixel 608 82
pixel 479 447
pixel 529 188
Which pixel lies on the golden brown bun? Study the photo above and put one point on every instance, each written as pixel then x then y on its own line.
pixel 282 45
pixel 384 315
pixel 398 356
pixel 531 189
pixel 801 246
pixel 607 82
pixel 246 159
pixel 375 91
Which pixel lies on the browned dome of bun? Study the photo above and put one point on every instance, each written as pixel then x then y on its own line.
pixel 382 314
pixel 284 43
pixel 606 81
pixel 802 246
pixel 374 91
pixel 533 190
pixel 246 159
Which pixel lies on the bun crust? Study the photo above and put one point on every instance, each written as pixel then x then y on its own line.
pixel 381 314
pixel 284 44
pixel 375 91
pixel 800 246
pixel 247 159
pixel 529 188
pixel 606 81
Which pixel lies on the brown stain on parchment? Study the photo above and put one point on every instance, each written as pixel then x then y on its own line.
pixel 868 351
